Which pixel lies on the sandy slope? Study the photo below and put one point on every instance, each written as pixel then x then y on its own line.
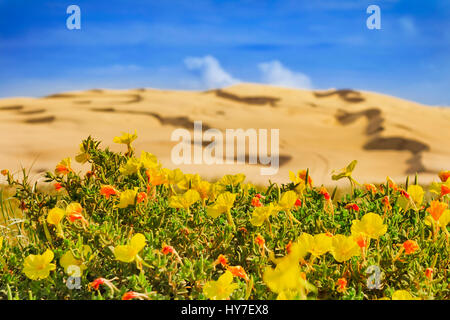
pixel 320 130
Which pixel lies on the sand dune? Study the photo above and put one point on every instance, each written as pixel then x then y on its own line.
pixel 319 130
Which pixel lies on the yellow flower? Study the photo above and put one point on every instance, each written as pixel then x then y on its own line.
pixel 185 200
pixel 415 193
pixel 156 176
pixel 232 180
pixel 229 180
pixel 402 295
pixel 261 214
pixel 1 243
pixel 222 288
pixel 127 198
pixel 129 252
pixel 174 176
pixel 202 187
pixel 286 277
pixel 55 216
pixel 371 225
pixel 68 262
pixel 39 266
pixel 287 200
pixel 149 160
pixel 344 248
pixel 74 208
pixel 317 245
pixel 126 138
pixel 82 157
pixel 345 172
pixel 188 180
pixel 442 222
pixel 133 165
pixel 299 179
pixel 223 204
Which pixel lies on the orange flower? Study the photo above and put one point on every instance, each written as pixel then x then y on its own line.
pixel 58 186
pixel 4 172
pixel 222 260
pixel 256 202
pixel 352 206
pixel 298 203
pixel 242 229
pixel 302 175
pixel 341 285
pixel 444 190
pixel 429 273
pixel 444 175
pixel 289 247
pixel 97 282
pixel 142 196
pixel 238 271
pixel 436 209
pixel 370 187
pixel 260 241
pixel 108 191
pixel 168 249
pixel 361 240
pixel 386 203
pixel 410 246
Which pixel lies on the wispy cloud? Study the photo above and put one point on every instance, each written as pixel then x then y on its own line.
pixel 408 26
pixel 211 72
pixel 275 73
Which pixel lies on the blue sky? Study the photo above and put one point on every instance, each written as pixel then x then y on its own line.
pixel 201 44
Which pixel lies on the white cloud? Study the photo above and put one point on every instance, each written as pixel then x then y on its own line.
pixel 275 73
pixel 211 72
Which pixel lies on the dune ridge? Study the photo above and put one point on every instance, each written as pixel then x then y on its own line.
pixel 319 130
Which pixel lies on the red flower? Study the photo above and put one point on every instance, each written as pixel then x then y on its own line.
pixel 352 206
pixel 58 186
pixel 325 193
pixel 258 195
pixel 444 175
pixel 444 190
pixel 405 194
pixel 130 295
pixel 142 196
pixel 168 249
pixel 256 202
pixel 342 285
pixel 429 273
pixel 298 203
pixel 97 282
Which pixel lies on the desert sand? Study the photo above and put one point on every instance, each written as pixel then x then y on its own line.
pixel 319 130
